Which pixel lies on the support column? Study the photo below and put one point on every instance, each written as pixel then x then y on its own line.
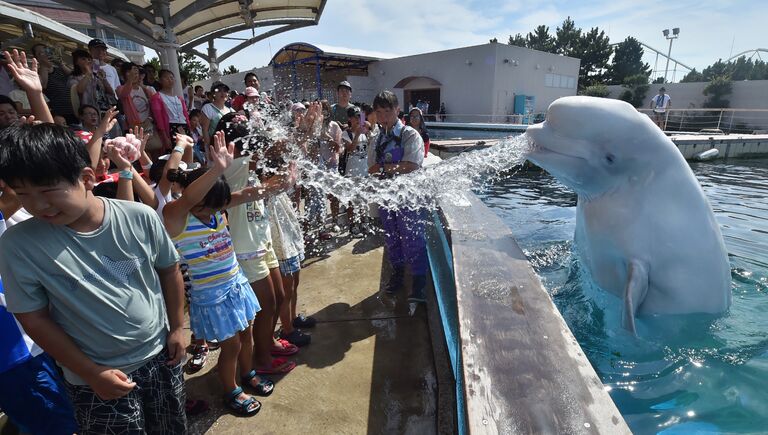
pixel 295 80
pixel 169 48
pixel 318 78
pixel 213 62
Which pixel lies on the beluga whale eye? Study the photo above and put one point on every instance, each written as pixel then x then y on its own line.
pixel 610 158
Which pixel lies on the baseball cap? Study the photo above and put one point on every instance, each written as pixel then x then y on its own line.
pixel 219 86
pixel 344 84
pixel 96 43
pixel 250 91
pixel 662 89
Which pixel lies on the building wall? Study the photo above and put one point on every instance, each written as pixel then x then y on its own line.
pixel 752 94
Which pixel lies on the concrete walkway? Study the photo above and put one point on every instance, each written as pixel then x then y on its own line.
pixel 369 369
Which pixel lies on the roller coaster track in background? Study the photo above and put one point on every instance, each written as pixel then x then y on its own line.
pixel 754 51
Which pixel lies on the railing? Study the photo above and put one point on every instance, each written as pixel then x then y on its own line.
pixel 532 118
pixel 725 120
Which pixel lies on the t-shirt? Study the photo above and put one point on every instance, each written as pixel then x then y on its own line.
pixel 284 227
pixel 174 109
pixel 101 287
pixel 57 92
pixel 339 114
pixel 410 141
pixel 214 114
pixel 660 103
pixel 357 160
pixel 140 103
pixel 248 223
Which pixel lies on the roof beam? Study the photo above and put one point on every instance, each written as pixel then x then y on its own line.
pixel 228 30
pixel 191 9
pixel 258 38
pixel 128 27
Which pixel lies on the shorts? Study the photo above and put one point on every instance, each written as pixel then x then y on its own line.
pixel 291 265
pixel 32 390
pixel 154 406
pixel 258 268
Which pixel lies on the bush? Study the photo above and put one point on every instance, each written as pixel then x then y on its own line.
pixel 598 90
pixel 716 90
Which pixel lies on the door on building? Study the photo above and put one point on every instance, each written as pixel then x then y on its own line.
pixel 430 96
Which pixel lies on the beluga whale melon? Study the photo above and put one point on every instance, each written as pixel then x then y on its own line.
pixel 644 228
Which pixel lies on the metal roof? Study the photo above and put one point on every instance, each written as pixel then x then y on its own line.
pixel 13 20
pixel 194 22
pixel 329 57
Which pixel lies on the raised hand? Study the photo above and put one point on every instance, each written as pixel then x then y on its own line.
pixel 25 76
pixel 109 119
pixel 221 153
pixel 183 140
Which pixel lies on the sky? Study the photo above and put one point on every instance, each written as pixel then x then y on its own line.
pixel 708 29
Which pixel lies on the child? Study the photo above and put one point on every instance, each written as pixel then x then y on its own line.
pixel 196 133
pixel 95 282
pixel 399 149
pixel 222 305
pixel 355 142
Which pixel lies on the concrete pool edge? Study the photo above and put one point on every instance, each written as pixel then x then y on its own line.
pixel 520 367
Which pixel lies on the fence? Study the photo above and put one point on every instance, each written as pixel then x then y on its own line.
pixel 725 120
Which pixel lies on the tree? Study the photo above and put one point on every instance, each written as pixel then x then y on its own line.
pixel 230 70
pixel 517 40
pixel 595 54
pixel 155 62
pixel 568 39
pixel 193 67
pixel 658 80
pixel 598 90
pixel 716 90
pixel 541 40
pixel 628 61
pixel 635 88
pixel 494 41
pixel 693 76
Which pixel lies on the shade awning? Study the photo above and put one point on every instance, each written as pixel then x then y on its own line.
pixel 13 20
pixel 328 58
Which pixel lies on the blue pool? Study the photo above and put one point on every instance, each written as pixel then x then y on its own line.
pixel 683 375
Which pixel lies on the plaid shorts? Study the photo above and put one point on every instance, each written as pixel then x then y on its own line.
pixel 291 265
pixel 154 406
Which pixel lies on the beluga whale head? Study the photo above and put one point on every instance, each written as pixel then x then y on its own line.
pixel 593 144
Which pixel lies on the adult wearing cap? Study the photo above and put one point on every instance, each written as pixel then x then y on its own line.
pixel 98 50
pixel 251 81
pixel 339 114
pixel 213 112
pixel 660 103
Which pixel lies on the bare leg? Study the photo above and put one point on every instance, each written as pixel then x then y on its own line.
pixel 288 308
pixel 280 300
pixel 230 348
pixel 263 326
pixel 245 357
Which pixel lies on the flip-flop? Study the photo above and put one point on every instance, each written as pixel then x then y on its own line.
pixel 285 349
pixel 279 366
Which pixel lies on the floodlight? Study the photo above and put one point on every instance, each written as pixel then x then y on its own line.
pixel 676 31
pixel 665 32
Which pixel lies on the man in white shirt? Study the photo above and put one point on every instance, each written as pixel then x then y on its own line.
pixel 660 103
pixel 98 50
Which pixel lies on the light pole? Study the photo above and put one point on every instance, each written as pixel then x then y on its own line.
pixel 675 34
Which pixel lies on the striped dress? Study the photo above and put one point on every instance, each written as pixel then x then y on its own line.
pixel 221 301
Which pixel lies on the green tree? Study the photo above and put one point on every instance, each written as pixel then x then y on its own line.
pixel 568 39
pixel 230 70
pixel 517 40
pixel 635 88
pixel 693 76
pixel 541 40
pixel 628 61
pixel 598 90
pixel 595 54
pixel 494 41
pixel 716 91
pixel 155 62
pixel 193 67
pixel 658 80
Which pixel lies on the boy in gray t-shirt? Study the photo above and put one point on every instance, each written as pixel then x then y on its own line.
pixel 96 283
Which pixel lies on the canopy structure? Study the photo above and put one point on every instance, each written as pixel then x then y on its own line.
pixel 168 26
pixel 302 55
pixel 20 27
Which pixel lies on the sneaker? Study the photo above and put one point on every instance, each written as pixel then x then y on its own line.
pixel 297 337
pixel 302 321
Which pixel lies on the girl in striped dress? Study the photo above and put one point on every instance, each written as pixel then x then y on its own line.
pixel 222 305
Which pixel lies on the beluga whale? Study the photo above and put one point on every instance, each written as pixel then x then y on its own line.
pixel 644 228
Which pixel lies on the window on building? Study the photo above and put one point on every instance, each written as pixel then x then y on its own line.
pixel 559 81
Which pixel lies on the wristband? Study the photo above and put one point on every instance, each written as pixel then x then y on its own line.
pixel 126 174
pixel 178 149
pixel 147 167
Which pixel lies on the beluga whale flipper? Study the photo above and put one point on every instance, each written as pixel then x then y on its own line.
pixel 644 228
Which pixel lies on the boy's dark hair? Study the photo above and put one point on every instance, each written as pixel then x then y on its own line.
pixel 366 108
pixel 198 87
pixel 77 55
pixel 156 170
pixel 82 108
pixel 353 112
pixel 127 67
pixel 249 74
pixel 42 155
pixel 163 72
pixel 6 100
pixel 240 134
pixel 149 66
pixel 217 197
pixel 385 100
pixel 195 112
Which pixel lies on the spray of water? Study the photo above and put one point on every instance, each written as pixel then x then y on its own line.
pixel 446 180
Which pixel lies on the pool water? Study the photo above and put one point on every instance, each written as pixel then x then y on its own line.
pixel 681 374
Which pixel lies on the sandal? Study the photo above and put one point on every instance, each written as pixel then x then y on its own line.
pixel 284 349
pixel 279 366
pixel 264 387
pixel 249 406
pixel 197 362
